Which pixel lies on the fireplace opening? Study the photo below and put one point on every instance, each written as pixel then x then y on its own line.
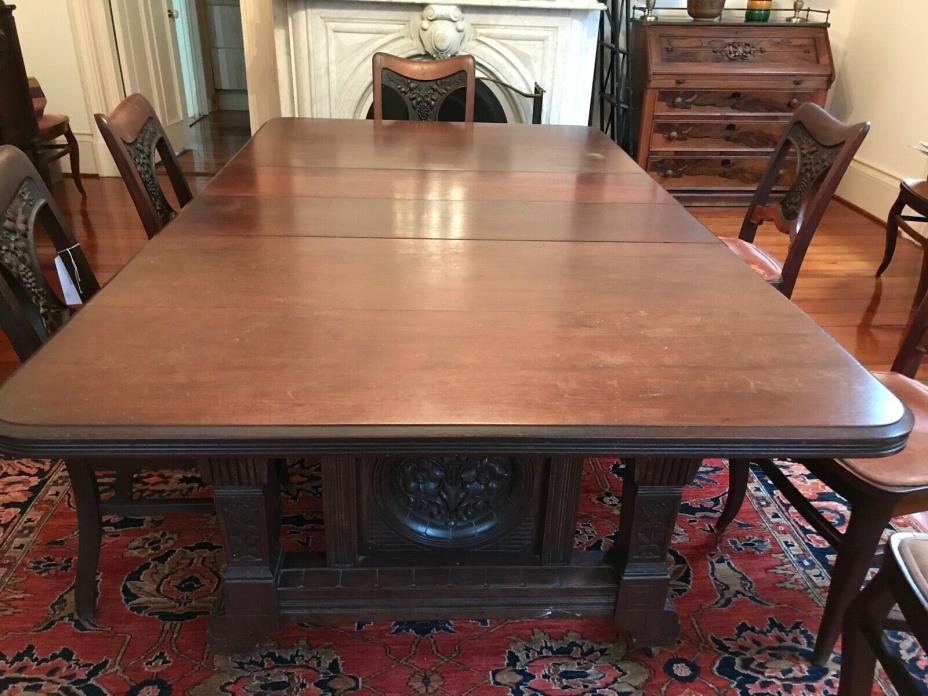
pixel 487 108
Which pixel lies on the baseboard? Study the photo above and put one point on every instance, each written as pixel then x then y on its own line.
pixel 95 158
pixel 869 189
pixel 857 209
pixel 88 157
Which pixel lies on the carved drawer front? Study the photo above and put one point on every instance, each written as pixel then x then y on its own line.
pixel 694 102
pixel 745 52
pixel 713 172
pixel 735 136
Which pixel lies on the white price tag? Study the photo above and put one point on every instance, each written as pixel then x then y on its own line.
pixel 71 296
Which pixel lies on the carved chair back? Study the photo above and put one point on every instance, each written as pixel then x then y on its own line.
pixel 424 85
pixel 134 136
pixel 30 310
pixel 823 147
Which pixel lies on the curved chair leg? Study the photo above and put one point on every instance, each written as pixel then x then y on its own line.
pixel 892 234
pixel 74 154
pixel 866 613
pixel 738 471
pixel 854 559
pixel 89 530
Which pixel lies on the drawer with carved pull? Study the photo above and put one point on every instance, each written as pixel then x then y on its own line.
pixel 734 101
pixel 717 136
pixel 715 172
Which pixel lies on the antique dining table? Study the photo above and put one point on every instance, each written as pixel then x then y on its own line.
pixel 451 317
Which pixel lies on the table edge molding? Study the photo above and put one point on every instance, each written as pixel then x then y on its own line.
pixel 697 441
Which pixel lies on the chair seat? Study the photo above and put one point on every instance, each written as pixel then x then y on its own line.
pixel 908 468
pixel 763 263
pixel 912 552
pixel 916 188
pixel 52 122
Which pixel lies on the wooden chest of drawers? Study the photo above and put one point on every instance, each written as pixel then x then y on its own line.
pixel 710 100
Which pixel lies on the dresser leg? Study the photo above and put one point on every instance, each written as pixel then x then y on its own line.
pixel 247 498
pixel 651 495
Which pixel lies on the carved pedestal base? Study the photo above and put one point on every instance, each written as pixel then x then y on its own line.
pixel 484 536
pixel 247 498
pixel 650 501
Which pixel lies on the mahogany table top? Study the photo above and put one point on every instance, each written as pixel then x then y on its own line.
pixel 343 285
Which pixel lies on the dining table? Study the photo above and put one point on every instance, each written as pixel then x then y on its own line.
pixel 451 318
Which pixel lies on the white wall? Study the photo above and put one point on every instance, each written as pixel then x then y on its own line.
pixel 44 28
pixel 883 81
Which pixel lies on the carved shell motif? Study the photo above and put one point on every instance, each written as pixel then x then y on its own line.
pixel 441 30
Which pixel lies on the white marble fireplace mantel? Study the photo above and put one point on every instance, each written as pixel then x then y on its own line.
pixel 324 50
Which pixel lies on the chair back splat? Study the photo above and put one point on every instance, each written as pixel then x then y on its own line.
pixel 424 85
pixel 824 148
pixel 30 310
pixel 134 136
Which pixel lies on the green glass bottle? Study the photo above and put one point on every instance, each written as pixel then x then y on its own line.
pixel 758 11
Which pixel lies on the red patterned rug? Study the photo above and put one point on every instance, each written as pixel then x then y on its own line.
pixel 749 610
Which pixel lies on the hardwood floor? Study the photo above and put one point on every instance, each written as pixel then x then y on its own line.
pixel 213 140
pixel 836 287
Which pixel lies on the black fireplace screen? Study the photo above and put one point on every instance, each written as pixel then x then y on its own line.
pixel 610 101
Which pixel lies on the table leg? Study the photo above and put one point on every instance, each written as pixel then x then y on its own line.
pixel 89 530
pixel 247 498
pixel 651 495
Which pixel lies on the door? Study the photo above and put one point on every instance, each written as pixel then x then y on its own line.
pixel 150 61
pixel 187 26
pixel 224 21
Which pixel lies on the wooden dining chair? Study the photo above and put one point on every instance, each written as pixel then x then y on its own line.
pixel 135 138
pixel 423 85
pixel 876 490
pixel 30 310
pixel 30 314
pixel 913 194
pixel 823 148
pixel 903 582
pixel 52 127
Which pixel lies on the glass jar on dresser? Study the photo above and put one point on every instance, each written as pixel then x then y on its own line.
pixel 711 100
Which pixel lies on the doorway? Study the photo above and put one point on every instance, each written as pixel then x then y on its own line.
pixel 187 58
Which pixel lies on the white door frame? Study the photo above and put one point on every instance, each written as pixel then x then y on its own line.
pixel 98 65
pixel 191 55
pixel 101 77
pixel 258 28
pixel 150 61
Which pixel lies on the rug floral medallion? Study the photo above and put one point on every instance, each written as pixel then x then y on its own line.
pixel 749 608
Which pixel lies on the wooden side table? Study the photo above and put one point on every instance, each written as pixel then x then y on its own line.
pixel 912 194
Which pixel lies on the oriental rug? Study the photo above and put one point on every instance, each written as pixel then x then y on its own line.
pixel 749 608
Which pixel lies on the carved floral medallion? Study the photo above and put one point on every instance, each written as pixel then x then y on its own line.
pixel 451 500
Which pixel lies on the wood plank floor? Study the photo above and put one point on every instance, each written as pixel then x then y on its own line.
pixel 213 140
pixel 836 287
